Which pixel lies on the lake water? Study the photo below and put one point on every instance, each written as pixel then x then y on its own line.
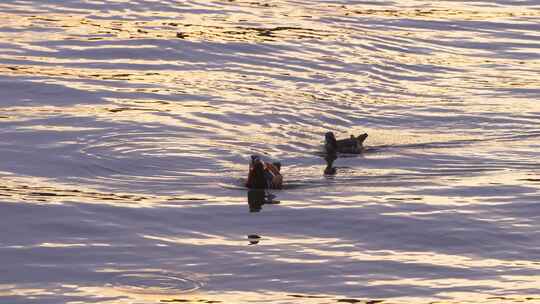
pixel 126 129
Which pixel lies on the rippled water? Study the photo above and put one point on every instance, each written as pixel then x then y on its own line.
pixel 126 129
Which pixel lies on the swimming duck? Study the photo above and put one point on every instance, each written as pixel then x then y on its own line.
pixel 352 145
pixel 264 175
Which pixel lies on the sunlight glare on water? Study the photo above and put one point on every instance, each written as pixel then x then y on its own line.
pixel 126 129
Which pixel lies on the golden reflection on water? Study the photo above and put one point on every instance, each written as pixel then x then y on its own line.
pixel 36 190
pixel 58 245
pixel 433 258
pixel 206 239
pixel 109 294
pixel 272 77
pixel 198 27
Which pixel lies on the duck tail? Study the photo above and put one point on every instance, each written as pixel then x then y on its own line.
pixel 362 138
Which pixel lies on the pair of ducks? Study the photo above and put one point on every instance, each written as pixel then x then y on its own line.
pixel 265 175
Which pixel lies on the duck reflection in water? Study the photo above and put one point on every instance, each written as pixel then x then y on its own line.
pixel 333 146
pixel 330 170
pixel 256 199
pixel 259 197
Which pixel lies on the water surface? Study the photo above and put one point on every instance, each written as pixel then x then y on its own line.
pixel 126 129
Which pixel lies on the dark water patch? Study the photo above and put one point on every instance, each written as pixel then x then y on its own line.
pixel 123 109
pixel 162 30
pixel 46 194
pixel 187 199
pixel 191 301
pixel 405 198
pixel 349 301
pixel 300 296
pixel 535 180
pixel 437 13
pixel 514 299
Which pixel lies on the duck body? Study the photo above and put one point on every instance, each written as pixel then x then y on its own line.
pixel 352 145
pixel 264 175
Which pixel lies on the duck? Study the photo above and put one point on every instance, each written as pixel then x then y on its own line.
pixel 351 145
pixel 264 175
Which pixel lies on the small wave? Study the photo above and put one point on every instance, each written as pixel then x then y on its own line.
pixel 158 283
